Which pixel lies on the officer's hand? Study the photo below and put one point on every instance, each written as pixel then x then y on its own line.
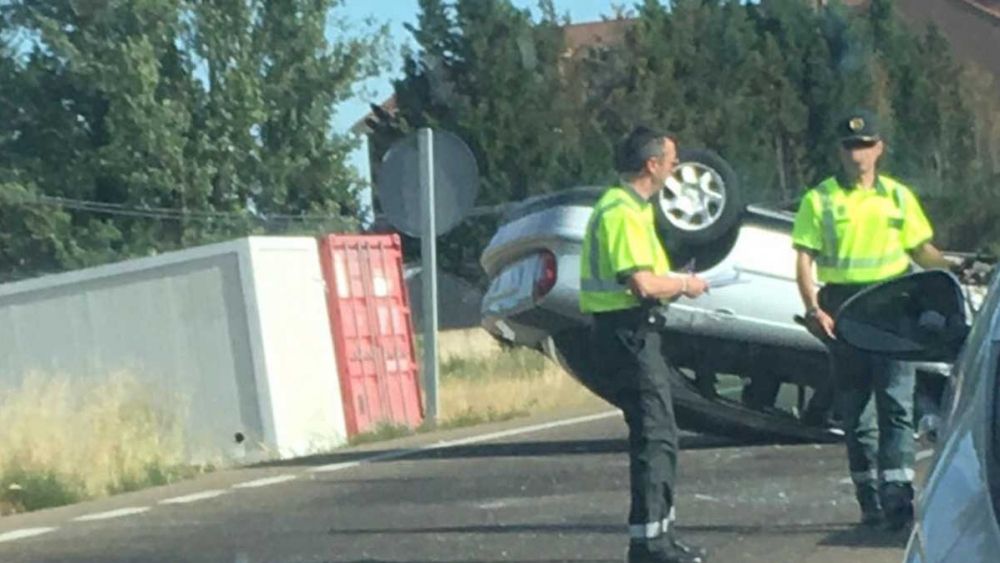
pixel 973 271
pixel 695 286
pixel 960 267
pixel 824 324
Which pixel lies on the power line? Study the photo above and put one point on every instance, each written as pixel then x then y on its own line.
pixel 175 214
pixel 162 213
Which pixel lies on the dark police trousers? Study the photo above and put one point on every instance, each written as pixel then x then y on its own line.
pixel 633 376
pixel 879 433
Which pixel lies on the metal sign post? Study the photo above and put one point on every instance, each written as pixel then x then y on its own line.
pixel 428 267
pixel 427 184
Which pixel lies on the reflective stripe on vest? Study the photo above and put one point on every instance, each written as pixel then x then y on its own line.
pixel 830 259
pixel 594 282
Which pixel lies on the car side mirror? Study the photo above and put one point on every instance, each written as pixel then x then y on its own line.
pixel 918 317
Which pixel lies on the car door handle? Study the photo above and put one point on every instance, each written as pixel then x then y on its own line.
pixel 724 313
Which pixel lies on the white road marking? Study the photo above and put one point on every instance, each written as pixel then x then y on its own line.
pixel 466 441
pixel 265 482
pixel 334 467
pixel 25 533
pixel 518 431
pixel 204 495
pixel 493 505
pixel 706 497
pixel 112 514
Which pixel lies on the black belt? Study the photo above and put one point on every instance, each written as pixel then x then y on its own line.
pixel 833 295
pixel 639 319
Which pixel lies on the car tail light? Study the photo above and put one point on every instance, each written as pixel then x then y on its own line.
pixel 545 276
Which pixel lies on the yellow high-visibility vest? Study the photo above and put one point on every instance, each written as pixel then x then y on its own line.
pixel 860 235
pixel 621 240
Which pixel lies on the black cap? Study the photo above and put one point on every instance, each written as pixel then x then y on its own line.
pixel 859 125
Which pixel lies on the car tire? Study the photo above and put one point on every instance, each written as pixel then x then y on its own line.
pixel 701 202
pixel 693 410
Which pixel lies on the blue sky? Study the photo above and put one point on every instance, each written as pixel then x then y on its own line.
pixel 396 13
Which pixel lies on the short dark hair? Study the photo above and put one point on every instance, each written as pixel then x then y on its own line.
pixel 640 145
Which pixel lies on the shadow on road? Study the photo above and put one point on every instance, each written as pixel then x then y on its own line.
pixel 861 536
pixel 771 530
pixel 504 449
pixel 841 534
pixel 574 528
pixel 481 561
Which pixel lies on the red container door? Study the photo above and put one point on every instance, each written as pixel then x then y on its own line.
pixel 371 325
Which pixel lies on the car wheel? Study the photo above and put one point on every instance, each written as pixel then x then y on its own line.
pixel 694 409
pixel 701 201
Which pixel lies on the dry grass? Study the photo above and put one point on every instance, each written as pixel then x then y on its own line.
pixel 64 440
pixel 467 344
pixel 482 381
pixel 513 383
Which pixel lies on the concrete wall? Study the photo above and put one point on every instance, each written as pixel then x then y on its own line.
pixel 294 346
pixel 234 334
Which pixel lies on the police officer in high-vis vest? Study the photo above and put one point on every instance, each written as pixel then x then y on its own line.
pixel 859 228
pixel 625 274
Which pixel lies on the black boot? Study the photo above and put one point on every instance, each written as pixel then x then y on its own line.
pixel 871 508
pixel 687 549
pixel 897 505
pixel 664 550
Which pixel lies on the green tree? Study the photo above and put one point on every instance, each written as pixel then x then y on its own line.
pixel 488 73
pixel 762 83
pixel 221 110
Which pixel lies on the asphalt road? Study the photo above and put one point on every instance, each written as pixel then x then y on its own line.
pixel 539 494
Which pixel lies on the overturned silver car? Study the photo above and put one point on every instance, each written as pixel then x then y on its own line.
pixel 748 369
